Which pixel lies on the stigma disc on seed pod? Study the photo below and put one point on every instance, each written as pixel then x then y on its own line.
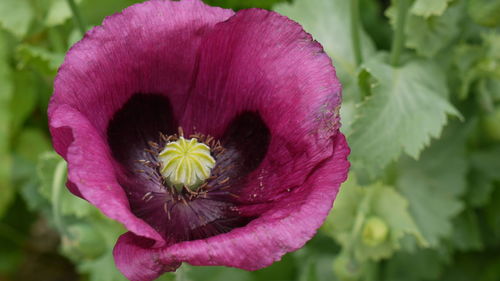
pixel 186 163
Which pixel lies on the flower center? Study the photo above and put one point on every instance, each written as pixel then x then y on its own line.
pixel 186 163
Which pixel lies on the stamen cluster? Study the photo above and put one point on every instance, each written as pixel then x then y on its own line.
pixel 185 165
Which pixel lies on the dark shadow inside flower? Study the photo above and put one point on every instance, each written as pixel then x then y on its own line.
pixel 136 134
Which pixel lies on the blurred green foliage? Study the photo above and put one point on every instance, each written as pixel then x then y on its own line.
pixel 422 116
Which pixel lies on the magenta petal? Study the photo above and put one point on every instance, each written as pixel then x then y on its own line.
pixel 149 48
pixel 255 80
pixel 286 227
pixel 90 169
pixel 280 230
pixel 260 61
pixel 136 261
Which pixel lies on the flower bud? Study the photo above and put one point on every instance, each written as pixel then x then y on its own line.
pixel 374 232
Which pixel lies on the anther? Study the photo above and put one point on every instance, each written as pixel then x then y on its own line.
pixel 153 144
pixel 224 180
pixel 148 196
pixel 209 139
pixel 167 211
pixel 184 200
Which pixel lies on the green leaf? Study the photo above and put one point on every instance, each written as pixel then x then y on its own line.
pixel 466 232
pixel 340 221
pixel 429 35
pixel 74 36
pixel 484 174
pixel 491 40
pixel 80 241
pixel 50 168
pixel 101 269
pixel 87 236
pixel 285 269
pixel 5 99
pixel 238 4
pixel 280 271
pixel 427 8
pixel 104 269
pixel 95 16
pixel 482 266
pixel 16 16
pixel 355 204
pixel 375 23
pixel 466 58
pixel 89 243
pixel 484 12
pixel 31 143
pixel 39 59
pixel 423 264
pixel 212 273
pixel 479 63
pixel 480 188
pixel 58 13
pixel 407 107
pixel 314 262
pixel 329 23
pixel 348 113
pixel 431 209
pixel 487 161
pixel 11 258
pixel 434 184
pixel 14 228
pixel 24 98
pixel 391 207
pixel 347 268
pixel 308 272
pixel 492 219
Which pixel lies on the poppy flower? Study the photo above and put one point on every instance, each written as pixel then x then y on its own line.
pixel 212 136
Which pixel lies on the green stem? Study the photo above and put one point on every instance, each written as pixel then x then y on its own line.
pixel 358 56
pixel 57 184
pixel 359 221
pixel 77 16
pixel 399 36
